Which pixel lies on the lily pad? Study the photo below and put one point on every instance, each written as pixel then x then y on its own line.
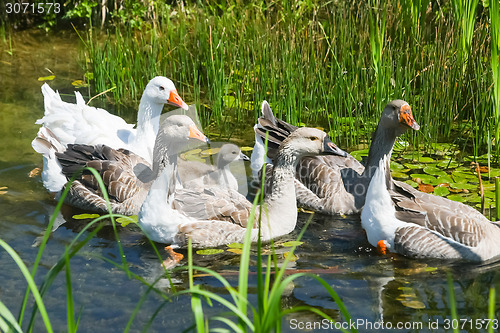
pixel 85 216
pixel 445 180
pixel 424 159
pixel 399 175
pixel 395 166
pixel 426 188
pixel 208 252
pixel 448 164
pixel 47 78
pixel 435 171
pixel 460 186
pixel 208 152
pixel 235 245
pixel 414 165
pixel 246 148
pixel 413 304
pixel 292 243
pixel 456 197
pixel 124 221
pixel 424 178
pixel 290 256
pixel 236 251
pixel 411 183
pixel 441 191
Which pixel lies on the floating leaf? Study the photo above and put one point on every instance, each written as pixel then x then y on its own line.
pixel 399 175
pixel 441 191
pixel 211 151
pixel 445 180
pixel 424 178
pixel 411 183
pixel 208 252
pixel 34 172
pixel 3 190
pixel 413 304
pixel 456 197
pixel 85 216
pixel 448 164
pixel 414 165
pixel 292 256
pixel 292 243
pixel 425 188
pixel 461 186
pixel 124 221
pixel 424 159
pixel 246 148
pixel 237 251
pixel 47 78
pixel 235 246
pixel 395 166
pixel 193 152
pixel 79 84
pixel 435 171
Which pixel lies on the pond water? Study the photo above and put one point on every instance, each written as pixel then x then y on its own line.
pixel 374 288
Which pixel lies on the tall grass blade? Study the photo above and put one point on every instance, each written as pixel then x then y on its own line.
pixel 8 322
pixel 31 284
pixel 70 307
pixel 491 309
pixel 453 304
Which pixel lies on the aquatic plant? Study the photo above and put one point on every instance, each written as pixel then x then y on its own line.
pixel 465 14
pixel 495 67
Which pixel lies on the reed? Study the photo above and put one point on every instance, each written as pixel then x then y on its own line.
pixel 495 67
pixel 329 64
pixel 465 14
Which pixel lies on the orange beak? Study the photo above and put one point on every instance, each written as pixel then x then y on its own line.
pixel 195 133
pixel 406 117
pixel 176 100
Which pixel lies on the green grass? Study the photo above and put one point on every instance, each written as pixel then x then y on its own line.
pixel 332 64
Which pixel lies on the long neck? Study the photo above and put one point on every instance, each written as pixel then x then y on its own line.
pixel 382 144
pixel 281 203
pixel 163 155
pixel 148 120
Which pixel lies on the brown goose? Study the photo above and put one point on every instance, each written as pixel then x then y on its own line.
pixel 194 174
pixel 399 218
pixel 126 176
pixel 187 214
pixel 332 184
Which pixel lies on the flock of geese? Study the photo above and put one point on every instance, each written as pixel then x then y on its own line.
pixel 177 200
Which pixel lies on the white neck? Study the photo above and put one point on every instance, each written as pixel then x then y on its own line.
pixel 148 122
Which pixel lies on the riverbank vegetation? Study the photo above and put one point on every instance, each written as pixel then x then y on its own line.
pixel 331 64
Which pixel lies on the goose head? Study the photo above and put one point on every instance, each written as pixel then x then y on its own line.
pixel 307 141
pixel 161 90
pixel 229 153
pixel 173 135
pixel 397 115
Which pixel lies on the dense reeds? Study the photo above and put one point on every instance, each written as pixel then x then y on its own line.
pixel 331 64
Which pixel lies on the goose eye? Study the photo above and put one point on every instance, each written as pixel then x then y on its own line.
pixel 313 138
pixel 162 88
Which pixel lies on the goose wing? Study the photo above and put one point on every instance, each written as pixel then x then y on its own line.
pixel 116 168
pixel 450 219
pixel 213 204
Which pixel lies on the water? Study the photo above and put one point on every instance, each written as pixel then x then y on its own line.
pixel 374 288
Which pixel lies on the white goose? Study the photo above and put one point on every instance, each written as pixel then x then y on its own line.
pixel 81 124
pixel 226 219
pixel 398 218
pixel 126 176
pixel 333 184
